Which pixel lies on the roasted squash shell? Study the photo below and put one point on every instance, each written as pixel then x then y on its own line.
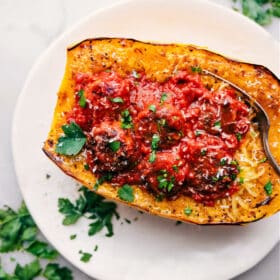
pixel 159 61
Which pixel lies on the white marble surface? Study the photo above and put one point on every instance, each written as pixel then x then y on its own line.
pixel 26 29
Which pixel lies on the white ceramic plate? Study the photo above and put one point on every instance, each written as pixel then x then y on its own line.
pixel 151 247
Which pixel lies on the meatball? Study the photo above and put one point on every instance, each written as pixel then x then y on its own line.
pixel 112 148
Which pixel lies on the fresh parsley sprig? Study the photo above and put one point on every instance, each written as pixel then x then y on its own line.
pixel 91 206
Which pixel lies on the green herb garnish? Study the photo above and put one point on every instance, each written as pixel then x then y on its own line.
pixel 155 141
pixel 126 193
pixel 223 161
pixel 135 74
pixel 217 124
pixel 238 136
pixel 95 248
pixel 27 272
pixel 42 250
pixel 115 145
pixel 85 256
pixel 152 157
pixel 241 180
pixel 82 100
pixel 54 272
pixel 91 206
pixel 261 11
pixel 198 132
pixel 163 98
pixel 164 182
pixel 263 160
pixel 126 120
pixel 203 151
pixel 86 166
pixel 196 69
pixel 102 180
pixel 117 100
pixel 175 168
pixel 73 236
pixel 188 211
pixel 268 188
pixel 72 142
pixel 152 108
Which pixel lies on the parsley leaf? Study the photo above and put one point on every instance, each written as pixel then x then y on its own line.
pixel 261 11
pixel 85 256
pixel 82 100
pixel 126 193
pixel 54 272
pixel 135 74
pixel 217 124
pixel 91 206
pixel 196 69
pixel 163 98
pixel 163 182
pixel 117 100
pixel 152 108
pixel 101 180
pixel 188 211
pixel 155 141
pixel 28 272
pixel 16 229
pixel 126 120
pixel 42 250
pixel 115 145
pixel 268 188
pixel 72 142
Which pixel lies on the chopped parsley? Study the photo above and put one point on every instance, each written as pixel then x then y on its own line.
pixel 95 248
pixel 152 157
pixel 73 140
pixel 86 166
pixel 223 161
pixel 54 272
pixel 126 193
pixel 152 108
pixel 217 124
pixel 42 250
pixel 188 211
pixel 126 120
pixel 85 256
pixel 241 180
pixel 261 11
pixel 135 74
pixel 263 160
pixel 268 188
pixel 82 100
pixel 238 136
pixel 91 206
pixel 117 100
pixel 102 180
pixel 155 141
pixel 163 98
pixel 203 151
pixel 27 272
pixel 196 69
pixel 73 236
pixel 115 145
pixel 198 132
pixel 154 146
pixel 163 182
pixel 175 168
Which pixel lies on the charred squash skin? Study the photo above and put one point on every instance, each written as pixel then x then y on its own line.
pixel 159 61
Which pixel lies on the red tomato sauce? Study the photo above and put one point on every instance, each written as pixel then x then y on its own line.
pixel 172 138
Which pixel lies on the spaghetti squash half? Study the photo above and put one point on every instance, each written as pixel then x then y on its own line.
pixel 142 124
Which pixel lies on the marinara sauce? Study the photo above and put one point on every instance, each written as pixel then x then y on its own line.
pixel 172 138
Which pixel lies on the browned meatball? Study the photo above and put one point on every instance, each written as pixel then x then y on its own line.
pixel 112 147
